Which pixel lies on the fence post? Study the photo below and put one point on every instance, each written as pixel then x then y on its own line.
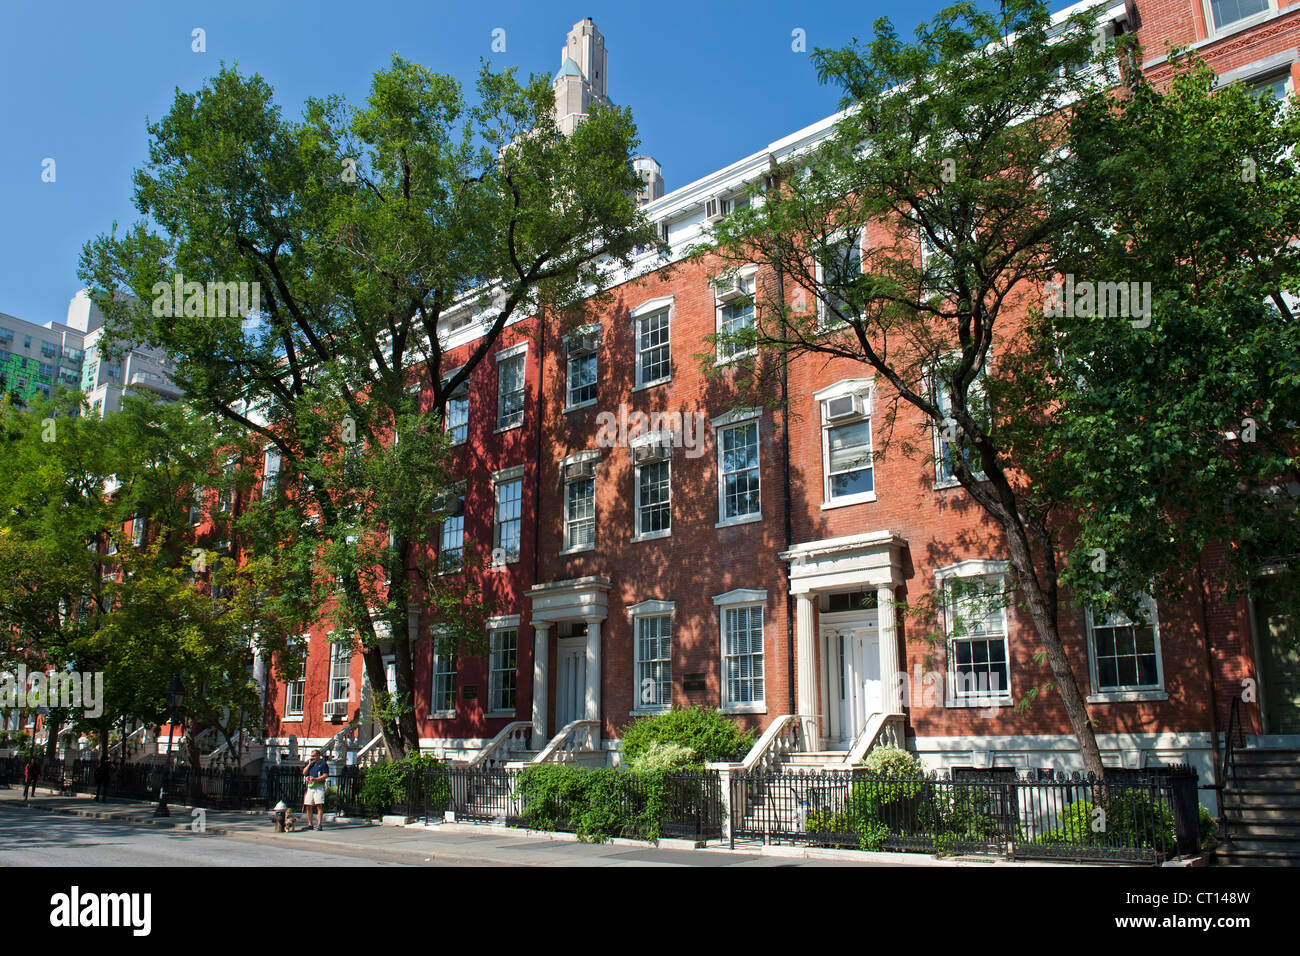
pixel 1187 822
pixel 724 781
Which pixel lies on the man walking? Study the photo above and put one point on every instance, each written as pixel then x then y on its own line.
pixel 101 780
pixel 31 776
pixel 313 797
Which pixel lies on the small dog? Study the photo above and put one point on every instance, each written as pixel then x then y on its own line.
pixel 290 821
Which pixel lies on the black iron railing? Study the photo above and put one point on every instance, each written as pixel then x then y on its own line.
pixel 1126 817
pixel 1228 772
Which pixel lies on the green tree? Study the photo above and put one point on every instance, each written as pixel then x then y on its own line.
pixel 937 154
pixel 364 228
pixel 1173 429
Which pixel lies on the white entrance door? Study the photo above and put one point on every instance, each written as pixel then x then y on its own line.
pixel 570 680
pixel 853 671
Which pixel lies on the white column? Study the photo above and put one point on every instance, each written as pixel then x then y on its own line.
pixel 806 667
pixel 592 708
pixel 891 697
pixel 541 670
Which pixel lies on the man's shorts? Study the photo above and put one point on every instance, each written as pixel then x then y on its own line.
pixel 314 797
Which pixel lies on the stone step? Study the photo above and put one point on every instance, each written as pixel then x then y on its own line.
pixel 1254 830
pixel 1253 845
pixel 1268 771
pixel 1261 814
pixel 1262 785
pixel 1266 755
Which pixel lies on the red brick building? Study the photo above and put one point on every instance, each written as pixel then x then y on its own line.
pixel 669 548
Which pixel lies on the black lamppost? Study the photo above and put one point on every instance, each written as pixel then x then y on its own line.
pixel 175 697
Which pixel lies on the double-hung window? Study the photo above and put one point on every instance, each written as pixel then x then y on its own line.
pixel 653 476
pixel 743 679
pixel 340 679
pixel 1125 654
pixel 738 477
pixel 653 356
pixel 503 656
pixel 270 472
pixel 579 503
pixel 451 536
pixel 583 346
pixel 510 386
pixel 975 621
pixel 735 305
pixel 507 523
pixel 847 462
pixel 839 267
pixel 137 531
pixel 653 636
pixel 444 678
pixel 295 691
pixel 1227 13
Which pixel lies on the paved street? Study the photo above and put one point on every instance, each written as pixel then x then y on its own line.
pixel 40 836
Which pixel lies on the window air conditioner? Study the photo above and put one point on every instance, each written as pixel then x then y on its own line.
pixel 578 470
pixel 844 406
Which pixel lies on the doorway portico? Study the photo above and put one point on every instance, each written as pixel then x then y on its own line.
pixel 847 664
pixel 580 605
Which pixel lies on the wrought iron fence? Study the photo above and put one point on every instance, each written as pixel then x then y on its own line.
pixel 1128 817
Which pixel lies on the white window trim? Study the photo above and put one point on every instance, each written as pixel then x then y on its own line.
pixel 334 652
pixel 849 386
pixel 721 424
pixel 819 277
pixel 945 484
pixel 504 355
pixel 591 328
pixel 1153 693
pixel 1215 32
pixel 636 489
pixel 506 476
pixel 973 568
pixel 652 607
pixel 744 274
pixel 645 309
pixel 433 681
pixel 576 457
pixel 447 427
pixel 740 598
pixel 505 623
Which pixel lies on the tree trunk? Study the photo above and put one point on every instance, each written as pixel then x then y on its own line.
pixel 52 728
pixel 373 659
pixel 1044 617
pixel 196 765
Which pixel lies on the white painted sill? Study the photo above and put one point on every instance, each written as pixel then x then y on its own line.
pixel 508 428
pixel 980 703
pixel 442 715
pixel 1127 696
pixel 653 535
pixel 291 720
pixel 849 500
pixel 568 551
pixel 587 404
pixel 732 522
pixel 654 384
pixel 745 709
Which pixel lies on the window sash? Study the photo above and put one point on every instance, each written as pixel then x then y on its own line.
pixel 340 673
pixel 654 497
pixel 451 542
pixel 654 662
pixel 653 348
pixel 738 471
pixel 979 665
pixel 743 654
pixel 580 513
pixel 444 682
pixel 1226 13
pixel 458 419
pixel 502 673
pixel 849 465
pixel 510 391
pixel 582 379
pixel 295 691
pixel 508 521
pixel 1126 652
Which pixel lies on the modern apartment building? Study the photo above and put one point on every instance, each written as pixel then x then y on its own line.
pixel 37 359
pixel 668 547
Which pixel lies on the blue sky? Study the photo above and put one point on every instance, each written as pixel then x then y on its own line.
pixel 707 82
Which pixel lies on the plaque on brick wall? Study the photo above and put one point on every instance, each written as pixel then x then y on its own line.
pixel 469 692
pixel 693 682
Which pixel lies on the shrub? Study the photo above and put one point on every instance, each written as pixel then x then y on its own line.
pixel 387 784
pixel 1209 828
pixel 665 758
pixel 710 733
pixel 892 762
pixel 596 804
pixel 1131 820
